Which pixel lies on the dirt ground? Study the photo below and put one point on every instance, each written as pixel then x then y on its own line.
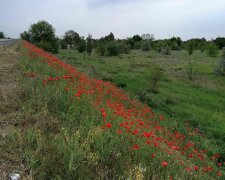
pixel 10 160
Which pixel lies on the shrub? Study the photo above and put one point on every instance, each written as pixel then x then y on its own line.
pixel 49 46
pixel 167 50
pixel 113 49
pixel 125 48
pixel 154 75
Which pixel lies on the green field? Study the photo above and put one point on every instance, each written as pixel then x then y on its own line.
pixel 200 102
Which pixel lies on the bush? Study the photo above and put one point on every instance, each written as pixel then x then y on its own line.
pixel 167 50
pixel 146 46
pixel 137 45
pixel 101 49
pixel 113 49
pixel 212 50
pixel 49 46
pixel 25 36
pixel 154 75
pixel 125 48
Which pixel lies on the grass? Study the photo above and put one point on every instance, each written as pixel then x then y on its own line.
pixel 64 135
pixel 200 102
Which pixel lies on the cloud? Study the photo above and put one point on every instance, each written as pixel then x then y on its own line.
pixel 164 18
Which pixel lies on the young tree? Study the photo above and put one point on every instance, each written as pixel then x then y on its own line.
pixel 89 44
pixel 190 48
pixel 154 75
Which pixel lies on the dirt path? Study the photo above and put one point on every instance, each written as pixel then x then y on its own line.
pixel 9 152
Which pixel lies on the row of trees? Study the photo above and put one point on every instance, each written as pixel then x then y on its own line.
pixel 43 35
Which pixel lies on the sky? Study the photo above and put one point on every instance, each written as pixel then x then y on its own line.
pixel 163 18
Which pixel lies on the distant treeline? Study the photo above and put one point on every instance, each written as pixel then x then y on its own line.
pixel 43 35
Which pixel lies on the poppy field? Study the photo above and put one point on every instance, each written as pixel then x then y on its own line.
pixel 100 132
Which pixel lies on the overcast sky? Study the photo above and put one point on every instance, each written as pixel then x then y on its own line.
pixel 163 18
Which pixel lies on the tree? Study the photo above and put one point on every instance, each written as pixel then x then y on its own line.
pixel 89 44
pixel 113 49
pixel 63 44
pixel 220 42
pixel 81 47
pixel 42 34
pixel 2 35
pixel 212 50
pixel 149 37
pixel 72 38
pixel 109 37
pixel 190 48
pixel 137 37
pixel 101 49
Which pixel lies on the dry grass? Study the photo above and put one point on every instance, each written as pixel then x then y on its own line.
pixel 9 146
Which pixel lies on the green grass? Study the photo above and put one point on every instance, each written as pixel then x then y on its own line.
pixel 200 102
pixel 63 137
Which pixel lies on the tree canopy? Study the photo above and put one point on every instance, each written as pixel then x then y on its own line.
pixel 43 35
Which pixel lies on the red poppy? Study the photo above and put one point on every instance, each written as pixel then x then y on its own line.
pixel 135 132
pixel 164 164
pixel 135 146
pixel 196 168
pixel 108 125
pixel 119 132
pixel 188 169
